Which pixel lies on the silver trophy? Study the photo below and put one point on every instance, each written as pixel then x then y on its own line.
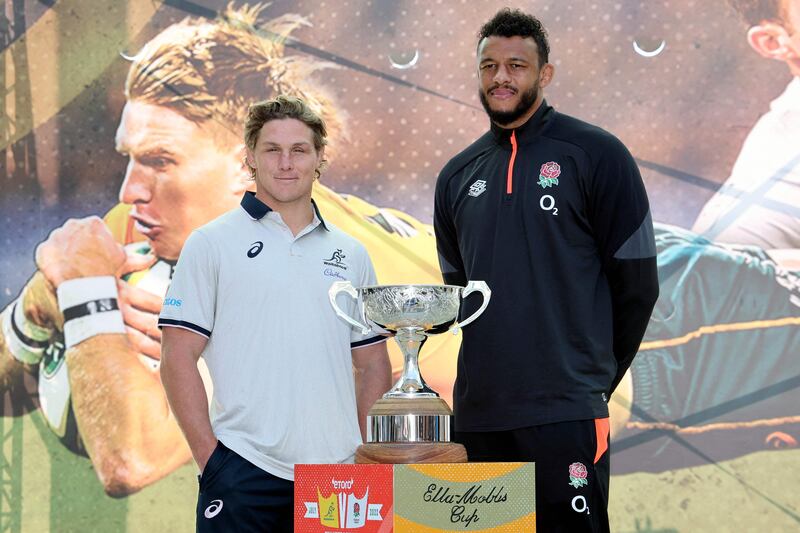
pixel 410 412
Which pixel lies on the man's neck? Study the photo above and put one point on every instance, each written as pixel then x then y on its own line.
pixel 296 215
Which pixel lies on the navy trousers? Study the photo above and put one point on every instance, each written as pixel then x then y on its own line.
pixel 236 495
pixel 572 469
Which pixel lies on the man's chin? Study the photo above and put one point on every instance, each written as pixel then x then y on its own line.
pixel 504 106
pixel 504 118
pixel 164 249
pixel 496 106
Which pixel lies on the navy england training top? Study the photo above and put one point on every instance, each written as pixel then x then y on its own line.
pixel 553 215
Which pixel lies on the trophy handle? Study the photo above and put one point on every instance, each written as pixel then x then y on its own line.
pixel 333 292
pixel 471 287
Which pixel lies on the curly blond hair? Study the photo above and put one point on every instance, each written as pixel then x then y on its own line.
pixel 213 70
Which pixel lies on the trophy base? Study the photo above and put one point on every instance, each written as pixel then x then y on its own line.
pixel 408 431
pixel 409 420
pixel 410 453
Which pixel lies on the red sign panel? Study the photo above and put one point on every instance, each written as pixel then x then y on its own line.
pixel 343 497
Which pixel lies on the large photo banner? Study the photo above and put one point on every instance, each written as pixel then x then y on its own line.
pixel 120 125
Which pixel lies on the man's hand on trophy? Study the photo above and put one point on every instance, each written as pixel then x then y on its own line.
pixel 80 248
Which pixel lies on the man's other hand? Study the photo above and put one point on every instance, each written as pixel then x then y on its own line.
pixel 140 311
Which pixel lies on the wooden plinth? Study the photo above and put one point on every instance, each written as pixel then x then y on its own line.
pixel 411 453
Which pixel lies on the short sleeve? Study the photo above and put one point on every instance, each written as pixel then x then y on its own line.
pixel 366 278
pixel 191 297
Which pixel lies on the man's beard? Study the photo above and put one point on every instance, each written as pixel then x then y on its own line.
pixel 504 118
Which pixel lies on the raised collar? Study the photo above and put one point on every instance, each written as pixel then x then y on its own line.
pixel 790 99
pixel 528 131
pixel 253 206
pixel 257 209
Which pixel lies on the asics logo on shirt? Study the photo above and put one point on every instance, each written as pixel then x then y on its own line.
pixel 255 249
pixel 477 188
pixel 214 509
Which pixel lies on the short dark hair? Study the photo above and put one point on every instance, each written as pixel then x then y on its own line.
pixel 754 12
pixel 515 23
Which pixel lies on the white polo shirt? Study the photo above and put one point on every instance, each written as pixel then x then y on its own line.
pixel 279 358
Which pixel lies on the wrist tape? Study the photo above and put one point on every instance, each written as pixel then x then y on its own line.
pixel 25 340
pixel 90 307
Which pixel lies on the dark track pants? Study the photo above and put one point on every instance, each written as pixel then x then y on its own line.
pixel 236 495
pixel 572 470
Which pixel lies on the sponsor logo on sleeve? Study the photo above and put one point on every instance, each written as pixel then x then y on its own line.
pixel 172 302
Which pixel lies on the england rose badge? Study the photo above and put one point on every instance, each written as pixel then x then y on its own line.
pixel 548 174
pixel 578 475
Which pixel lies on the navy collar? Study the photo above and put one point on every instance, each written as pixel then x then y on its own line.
pixel 253 206
pixel 258 209
pixel 528 131
pixel 319 215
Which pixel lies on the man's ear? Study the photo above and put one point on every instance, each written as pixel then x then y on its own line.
pixel 546 75
pixel 771 40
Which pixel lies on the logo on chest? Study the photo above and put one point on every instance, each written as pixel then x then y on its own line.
pixel 336 259
pixel 255 249
pixel 548 174
pixel 477 188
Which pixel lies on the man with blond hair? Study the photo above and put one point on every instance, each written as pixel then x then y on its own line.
pixel 246 297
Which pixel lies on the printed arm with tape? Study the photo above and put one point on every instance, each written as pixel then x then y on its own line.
pixel 120 407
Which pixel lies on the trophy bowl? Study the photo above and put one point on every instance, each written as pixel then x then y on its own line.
pixel 410 423
pixel 431 308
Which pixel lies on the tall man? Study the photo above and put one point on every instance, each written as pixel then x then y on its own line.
pixel 249 295
pixel 760 202
pixel 552 213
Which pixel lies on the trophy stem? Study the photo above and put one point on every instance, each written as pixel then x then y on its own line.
pixel 410 384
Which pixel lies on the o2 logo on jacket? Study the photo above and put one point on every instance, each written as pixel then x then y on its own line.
pixel 548 203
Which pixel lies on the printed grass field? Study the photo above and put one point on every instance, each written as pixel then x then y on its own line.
pixel 48 488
